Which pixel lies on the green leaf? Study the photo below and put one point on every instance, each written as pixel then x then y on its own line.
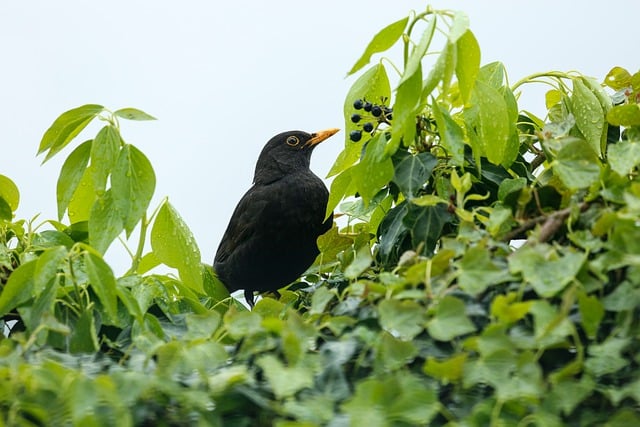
pixel 449 320
pixel 493 74
pixel 285 381
pixel 71 175
pixel 48 264
pixel 103 282
pixel 19 288
pixel 425 225
pixel 341 187
pixel 319 300
pixel 83 197
pixel 133 114
pixel 393 353
pixel 405 110
pixel 448 370
pixel 488 126
pixel 83 338
pixel 477 271
pixel 132 183
pixel 624 115
pixel 626 296
pixel 374 86
pixel 591 313
pixel 174 245
pixel 5 210
pixel 589 116
pixel 403 319
pixel 415 58
pixel 618 78
pixel 202 326
pixel 66 127
pixel 507 310
pixel 442 71
pixel 576 164
pixel 104 152
pixel 451 134
pixel 361 262
pixel 9 192
pixel 413 172
pixel 374 170
pixel 546 271
pixel 382 41
pixel 606 358
pixel 105 222
pixel 468 64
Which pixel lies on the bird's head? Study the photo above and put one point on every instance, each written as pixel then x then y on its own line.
pixel 286 153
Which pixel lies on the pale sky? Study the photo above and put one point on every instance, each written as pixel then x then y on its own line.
pixel 223 77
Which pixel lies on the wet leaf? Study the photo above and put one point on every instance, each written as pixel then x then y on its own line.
pixel 382 41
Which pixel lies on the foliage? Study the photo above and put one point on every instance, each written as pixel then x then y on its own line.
pixel 486 274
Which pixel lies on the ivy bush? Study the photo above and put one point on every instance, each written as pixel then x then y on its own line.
pixel 486 269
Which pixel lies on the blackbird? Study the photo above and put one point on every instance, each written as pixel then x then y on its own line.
pixel 271 237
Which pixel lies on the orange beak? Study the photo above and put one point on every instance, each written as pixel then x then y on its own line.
pixel 318 137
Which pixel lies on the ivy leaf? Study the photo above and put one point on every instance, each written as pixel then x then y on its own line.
pixel 133 114
pixel 413 171
pixel 403 319
pixel 9 192
pixel 467 64
pixel 174 245
pixel 449 320
pixel 66 127
pixel 103 282
pixel 624 115
pixel 546 271
pixel 374 170
pixel 448 370
pixel 374 86
pixel 487 122
pixel 589 115
pixel 341 187
pixel 606 358
pixel 415 58
pixel 576 164
pixel 104 152
pixel 591 313
pixel 405 111
pixel 451 134
pixel 105 222
pixel 284 380
pixel 19 288
pixel 393 353
pixel 477 271
pixel 132 183
pixel 425 225
pixel 382 41
pixel 71 175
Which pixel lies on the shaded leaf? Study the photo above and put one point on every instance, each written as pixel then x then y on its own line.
pixel 403 319
pixel 103 282
pixel 19 288
pixel 451 134
pixel 413 172
pixel 449 320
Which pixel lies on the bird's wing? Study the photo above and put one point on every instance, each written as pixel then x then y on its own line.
pixel 243 223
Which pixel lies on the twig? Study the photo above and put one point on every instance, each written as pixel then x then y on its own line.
pixel 550 224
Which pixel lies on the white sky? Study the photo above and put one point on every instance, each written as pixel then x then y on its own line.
pixel 223 77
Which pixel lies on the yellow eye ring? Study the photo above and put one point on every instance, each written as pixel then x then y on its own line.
pixel 293 141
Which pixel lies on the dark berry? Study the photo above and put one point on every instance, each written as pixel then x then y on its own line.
pixel 355 135
pixel 389 116
pixel 367 127
pixel 357 104
pixel 367 106
pixel 355 118
pixel 376 111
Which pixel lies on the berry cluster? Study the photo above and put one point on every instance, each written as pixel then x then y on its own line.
pixel 379 113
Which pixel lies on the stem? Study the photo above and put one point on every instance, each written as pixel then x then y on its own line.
pixel 135 262
pixel 559 75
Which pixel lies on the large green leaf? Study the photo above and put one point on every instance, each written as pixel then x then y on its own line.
pixel 82 199
pixel 413 172
pixel 624 115
pixel 623 156
pixel 133 182
pixel 415 58
pixel 382 41
pixel 71 174
pixel 104 152
pixel 425 224
pixel 103 282
pixel 442 71
pixel 403 319
pixel 9 192
pixel 449 320
pixel 589 116
pixel 174 245
pixel 341 187
pixel 468 64
pixel 66 127
pixel 48 264
pixel 19 288
pixel 451 134
pixel 405 110
pixel 576 164
pixel 487 121
pixel 478 271
pixel 374 170
pixel 105 222
pixel 374 86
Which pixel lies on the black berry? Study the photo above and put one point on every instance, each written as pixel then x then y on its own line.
pixel 389 116
pixel 357 104
pixel 367 106
pixel 367 127
pixel 376 111
pixel 355 135
pixel 355 118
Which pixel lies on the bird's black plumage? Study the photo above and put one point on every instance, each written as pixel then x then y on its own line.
pixel 271 237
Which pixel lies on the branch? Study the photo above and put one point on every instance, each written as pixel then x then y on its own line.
pixel 550 224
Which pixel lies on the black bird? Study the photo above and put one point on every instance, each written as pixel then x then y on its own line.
pixel 271 237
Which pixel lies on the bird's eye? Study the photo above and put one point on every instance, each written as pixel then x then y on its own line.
pixel 293 141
